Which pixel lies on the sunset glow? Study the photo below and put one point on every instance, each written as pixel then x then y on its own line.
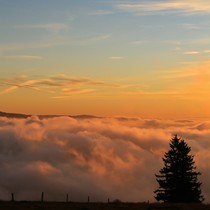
pixel 106 58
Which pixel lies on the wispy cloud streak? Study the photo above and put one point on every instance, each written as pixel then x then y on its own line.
pixel 27 57
pixel 52 42
pixel 172 6
pixel 48 26
pixel 62 85
pixel 116 58
pixel 100 12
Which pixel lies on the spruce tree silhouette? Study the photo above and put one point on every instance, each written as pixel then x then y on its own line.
pixel 178 180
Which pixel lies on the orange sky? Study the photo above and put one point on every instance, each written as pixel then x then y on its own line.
pixel 106 58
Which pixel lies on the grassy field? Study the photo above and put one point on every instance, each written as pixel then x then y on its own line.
pixel 98 206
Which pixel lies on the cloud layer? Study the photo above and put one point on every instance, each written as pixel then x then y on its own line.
pixel 100 157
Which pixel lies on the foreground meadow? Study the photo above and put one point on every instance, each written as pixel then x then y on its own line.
pixel 98 206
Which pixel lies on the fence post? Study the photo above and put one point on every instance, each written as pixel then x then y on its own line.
pixel 42 197
pixel 12 197
pixel 67 197
pixel 88 199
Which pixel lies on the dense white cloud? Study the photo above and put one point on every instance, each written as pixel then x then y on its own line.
pixel 99 157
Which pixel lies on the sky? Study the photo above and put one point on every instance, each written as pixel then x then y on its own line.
pixel 105 57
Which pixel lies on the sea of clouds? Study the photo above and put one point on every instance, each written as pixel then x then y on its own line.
pixel 103 158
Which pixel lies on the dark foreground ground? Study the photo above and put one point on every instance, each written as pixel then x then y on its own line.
pixel 98 206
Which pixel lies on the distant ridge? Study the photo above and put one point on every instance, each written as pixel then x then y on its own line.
pixel 84 116
pixel 13 115
pixel 23 116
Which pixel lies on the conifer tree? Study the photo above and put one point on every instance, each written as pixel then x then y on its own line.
pixel 178 179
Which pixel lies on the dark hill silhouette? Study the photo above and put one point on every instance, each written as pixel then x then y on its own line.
pixel 24 116
pixel 13 115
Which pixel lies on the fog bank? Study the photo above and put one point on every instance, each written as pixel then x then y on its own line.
pixel 97 157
